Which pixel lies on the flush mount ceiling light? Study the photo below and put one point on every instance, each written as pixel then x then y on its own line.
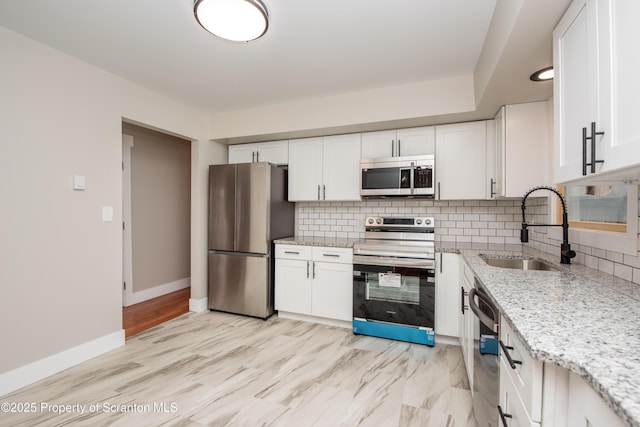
pixel 542 75
pixel 235 20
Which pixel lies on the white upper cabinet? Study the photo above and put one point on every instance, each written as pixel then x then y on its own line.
pixel 276 152
pixel 397 143
pixel 596 63
pixel 461 161
pixel 522 149
pixel 324 168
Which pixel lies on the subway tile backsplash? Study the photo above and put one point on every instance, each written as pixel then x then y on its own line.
pixel 468 221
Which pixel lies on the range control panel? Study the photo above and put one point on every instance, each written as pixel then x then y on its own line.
pixel 394 222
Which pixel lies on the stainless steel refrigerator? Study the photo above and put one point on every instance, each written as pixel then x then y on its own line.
pixel 248 209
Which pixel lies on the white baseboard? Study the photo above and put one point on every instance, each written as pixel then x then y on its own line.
pixel 315 319
pixel 160 290
pixel 444 339
pixel 38 370
pixel 197 305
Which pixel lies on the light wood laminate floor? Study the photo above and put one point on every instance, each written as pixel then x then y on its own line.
pixel 220 369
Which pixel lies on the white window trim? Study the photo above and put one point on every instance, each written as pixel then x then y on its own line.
pixel 626 243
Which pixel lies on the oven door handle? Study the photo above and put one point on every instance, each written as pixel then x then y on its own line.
pixel 486 320
pixel 394 261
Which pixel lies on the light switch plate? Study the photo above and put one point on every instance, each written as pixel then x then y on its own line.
pixel 107 213
pixel 79 182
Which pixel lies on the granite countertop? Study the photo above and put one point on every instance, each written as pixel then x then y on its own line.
pixel 334 242
pixel 574 317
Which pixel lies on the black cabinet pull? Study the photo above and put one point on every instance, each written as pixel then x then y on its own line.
pixel 493 184
pixel 592 138
pixel 504 416
pixel 505 351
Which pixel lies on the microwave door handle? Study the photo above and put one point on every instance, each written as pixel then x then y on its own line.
pixel 411 176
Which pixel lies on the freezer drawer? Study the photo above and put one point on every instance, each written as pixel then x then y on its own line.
pixel 239 283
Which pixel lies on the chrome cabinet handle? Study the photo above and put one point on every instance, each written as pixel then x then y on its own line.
pixel 314 269
pixel 318 191
pixel 307 269
pixel 505 351
pixel 292 252
pixel 331 255
pixel 324 192
pixel 584 151
pixel 399 155
pixel 504 416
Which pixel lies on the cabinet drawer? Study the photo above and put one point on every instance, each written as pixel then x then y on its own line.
pixel 511 403
pixel 527 375
pixel 337 255
pixel 293 252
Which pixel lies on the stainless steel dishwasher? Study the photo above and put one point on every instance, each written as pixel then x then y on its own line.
pixel 486 380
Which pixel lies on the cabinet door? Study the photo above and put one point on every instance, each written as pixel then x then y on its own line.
pixel 511 404
pixel 619 62
pixel 332 290
pixel 379 144
pixel 293 286
pixel 341 167
pixel 447 295
pixel 526 148
pixel 305 169
pixel 416 141
pixel 586 408
pixel 466 320
pixel 574 85
pixel 461 161
pixel 276 152
pixel 496 170
pixel 242 153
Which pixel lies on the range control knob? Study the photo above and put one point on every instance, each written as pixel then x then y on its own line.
pixel 427 221
pixel 418 221
pixel 370 220
pixel 379 221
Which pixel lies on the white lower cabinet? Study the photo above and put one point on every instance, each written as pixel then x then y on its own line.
pixel 447 294
pixel 586 408
pixel 513 409
pixel 314 281
pixel 467 320
pixel 533 393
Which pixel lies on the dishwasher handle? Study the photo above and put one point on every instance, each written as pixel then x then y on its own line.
pixel 484 319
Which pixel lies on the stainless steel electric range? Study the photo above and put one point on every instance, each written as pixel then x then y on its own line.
pixel 394 279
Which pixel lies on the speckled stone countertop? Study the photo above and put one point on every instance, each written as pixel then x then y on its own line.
pixel 334 242
pixel 574 317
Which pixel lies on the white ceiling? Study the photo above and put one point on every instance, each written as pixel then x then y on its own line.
pixel 312 48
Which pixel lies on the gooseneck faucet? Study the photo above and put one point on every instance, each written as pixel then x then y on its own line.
pixel 565 248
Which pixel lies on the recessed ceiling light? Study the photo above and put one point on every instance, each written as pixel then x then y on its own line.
pixel 542 75
pixel 235 20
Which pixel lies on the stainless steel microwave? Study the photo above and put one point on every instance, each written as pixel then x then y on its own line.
pixel 412 176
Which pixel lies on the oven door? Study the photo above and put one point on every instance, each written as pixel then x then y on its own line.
pixel 396 292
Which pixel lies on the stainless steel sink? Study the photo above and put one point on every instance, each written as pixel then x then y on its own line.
pixel 519 263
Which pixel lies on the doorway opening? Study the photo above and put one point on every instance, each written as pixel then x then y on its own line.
pixel 156 188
